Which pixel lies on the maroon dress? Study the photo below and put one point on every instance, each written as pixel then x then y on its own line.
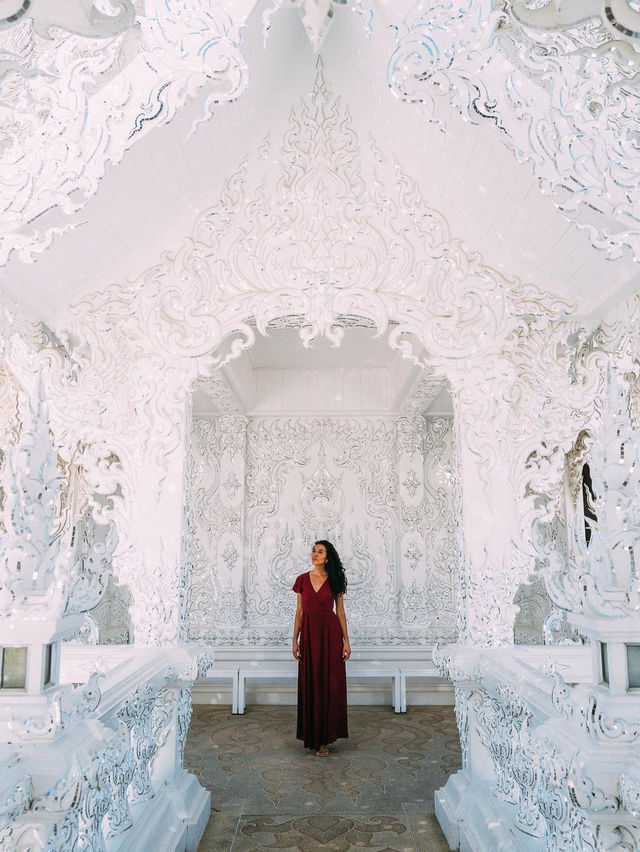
pixel 322 678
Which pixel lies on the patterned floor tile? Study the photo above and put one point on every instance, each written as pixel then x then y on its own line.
pixel 282 796
pixel 220 832
pixel 335 832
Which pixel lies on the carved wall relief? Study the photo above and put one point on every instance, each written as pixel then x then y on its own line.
pixel 518 66
pixel 215 528
pixel 82 87
pixel 128 355
pixel 310 478
pixel 332 478
pixel 428 546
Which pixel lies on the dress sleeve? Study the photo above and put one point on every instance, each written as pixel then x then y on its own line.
pixel 297 586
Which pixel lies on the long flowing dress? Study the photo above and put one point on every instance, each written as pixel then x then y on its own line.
pixel 322 679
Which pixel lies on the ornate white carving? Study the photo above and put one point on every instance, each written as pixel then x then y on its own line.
pixel 46 567
pixel 428 590
pixel 74 101
pixel 423 394
pixel 105 759
pixel 111 616
pixel 16 802
pixel 145 342
pixel 559 82
pixel 215 526
pixel 411 483
pixel 566 791
pixel 78 17
pixel 601 578
pixel 66 707
pixel 310 478
pixel 218 392
pixel 349 457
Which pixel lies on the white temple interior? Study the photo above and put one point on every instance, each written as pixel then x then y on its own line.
pixel 274 271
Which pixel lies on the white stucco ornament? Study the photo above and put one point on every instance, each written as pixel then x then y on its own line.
pixel 560 82
pixel 79 87
pixel 318 15
pixel 82 17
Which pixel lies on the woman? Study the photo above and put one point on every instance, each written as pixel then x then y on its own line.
pixel 321 646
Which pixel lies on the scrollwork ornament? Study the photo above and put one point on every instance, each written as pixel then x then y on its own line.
pixel 67 706
pixel 118 816
pixel 630 791
pixel 462 699
pixel 601 578
pixel 498 726
pixel 136 715
pixel 184 711
pixel 553 802
pixel 548 56
pixel 595 720
pixel 86 94
pixel 585 791
pixel 180 318
pixel 17 802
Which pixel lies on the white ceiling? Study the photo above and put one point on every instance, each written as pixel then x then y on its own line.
pixel 147 204
pixel 282 348
pixel 278 375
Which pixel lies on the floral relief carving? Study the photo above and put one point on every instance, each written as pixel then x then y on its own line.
pixel 516 67
pixel 568 792
pixel 201 306
pixel 309 478
pixel 214 527
pixel 322 497
pixel 230 556
pixel 342 452
pixel 412 554
pixel 428 594
pixel 411 483
pixel 76 99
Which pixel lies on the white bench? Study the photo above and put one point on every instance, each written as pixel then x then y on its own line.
pixel 423 671
pixel 225 671
pixel 287 670
pixel 238 664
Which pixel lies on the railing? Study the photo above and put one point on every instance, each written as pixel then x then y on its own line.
pixel 102 767
pixel 549 759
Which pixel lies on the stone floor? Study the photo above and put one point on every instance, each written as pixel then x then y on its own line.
pixel 373 791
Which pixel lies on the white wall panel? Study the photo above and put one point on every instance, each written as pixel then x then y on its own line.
pixel 378 487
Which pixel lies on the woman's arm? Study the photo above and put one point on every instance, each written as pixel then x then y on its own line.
pixel 297 626
pixel 342 618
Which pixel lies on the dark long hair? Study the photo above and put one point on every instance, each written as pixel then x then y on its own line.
pixel 335 571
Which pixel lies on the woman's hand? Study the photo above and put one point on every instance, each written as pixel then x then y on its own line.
pixel 296 650
pixel 346 650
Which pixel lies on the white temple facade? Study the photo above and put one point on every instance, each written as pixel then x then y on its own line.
pixel 293 269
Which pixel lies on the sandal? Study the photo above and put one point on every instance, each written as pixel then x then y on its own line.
pixel 323 751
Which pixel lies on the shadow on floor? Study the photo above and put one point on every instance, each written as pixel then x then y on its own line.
pixel 373 791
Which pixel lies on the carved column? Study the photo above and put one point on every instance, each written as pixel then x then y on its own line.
pixel 215 600
pixel 489 517
pixel 412 552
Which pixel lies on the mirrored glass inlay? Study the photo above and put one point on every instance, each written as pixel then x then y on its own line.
pixel 604 662
pixel 47 664
pixel 14 668
pixel 633 666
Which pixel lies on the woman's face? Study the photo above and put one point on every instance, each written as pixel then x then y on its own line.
pixel 319 556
